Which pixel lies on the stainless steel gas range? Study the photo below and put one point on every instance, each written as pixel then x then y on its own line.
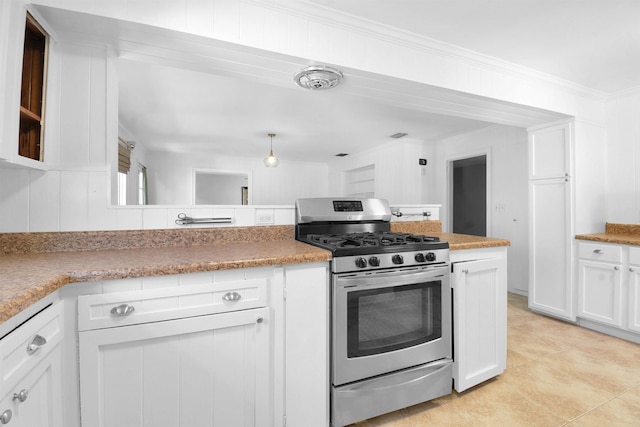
pixel 390 308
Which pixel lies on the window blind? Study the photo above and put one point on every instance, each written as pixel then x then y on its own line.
pixel 124 156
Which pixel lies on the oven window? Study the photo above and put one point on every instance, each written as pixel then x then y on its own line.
pixel 388 319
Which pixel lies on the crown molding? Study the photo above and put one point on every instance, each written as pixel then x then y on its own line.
pixel 324 15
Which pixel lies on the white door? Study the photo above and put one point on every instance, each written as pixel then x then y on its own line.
pixel 38 396
pixel 634 298
pixel 599 292
pixel 479 321
pixel 550 284
pixel 198 371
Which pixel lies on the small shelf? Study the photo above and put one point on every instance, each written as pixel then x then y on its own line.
pixel 29 115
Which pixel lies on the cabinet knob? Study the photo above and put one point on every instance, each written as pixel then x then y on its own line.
pixel 35 344
pixel 122 310
pixel 465 271
pixel 6 417
pixel 598 251
pixel 232 296
pixel 616 268
pixel 259 320
pixel 21 396
pixel 631 269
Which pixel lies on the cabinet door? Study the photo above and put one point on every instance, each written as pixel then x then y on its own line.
pixel 550 284
pixel 200 371
pixel 634 298
pixel 479 321
pixel 599 292
pixel 549 152
pixel 41 390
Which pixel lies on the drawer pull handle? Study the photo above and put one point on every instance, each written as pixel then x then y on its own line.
pixel 232 296
pixel 6 417
pixel 35 344
pixel 21 396
pixel 122 310
pixel 465 271
pixel 598 251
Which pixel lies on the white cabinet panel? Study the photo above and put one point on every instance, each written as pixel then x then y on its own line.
pixel 479 321
pixel 549 152
pixel 599 292
pixel 199 371
pixel 634 298
pixel 550 283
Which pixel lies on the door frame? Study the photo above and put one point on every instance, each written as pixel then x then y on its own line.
pixel 449 195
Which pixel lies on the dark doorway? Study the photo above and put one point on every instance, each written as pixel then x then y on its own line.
pixel 470 196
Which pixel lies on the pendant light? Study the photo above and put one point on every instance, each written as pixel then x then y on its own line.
pixel 271 161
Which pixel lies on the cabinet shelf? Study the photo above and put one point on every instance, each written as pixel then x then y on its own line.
pixel 25 114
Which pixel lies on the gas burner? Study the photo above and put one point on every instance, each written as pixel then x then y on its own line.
pixel 367 239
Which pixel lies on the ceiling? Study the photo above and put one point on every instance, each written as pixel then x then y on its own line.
pixel 595 43
pixel 186 93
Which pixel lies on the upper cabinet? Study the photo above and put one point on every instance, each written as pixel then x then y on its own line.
pixel 32 100
pixel 24 49
pixel 549 152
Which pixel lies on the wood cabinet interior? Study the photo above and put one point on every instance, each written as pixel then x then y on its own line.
pixel 32 92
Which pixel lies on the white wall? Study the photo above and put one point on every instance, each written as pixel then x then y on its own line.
pixel 398 176
pixel 623 159
pixel 506 149
pixel 74 195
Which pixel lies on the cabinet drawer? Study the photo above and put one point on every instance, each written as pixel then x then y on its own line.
pixel 24 347
pixel 153 305
pixel 634 255
pixel 600 252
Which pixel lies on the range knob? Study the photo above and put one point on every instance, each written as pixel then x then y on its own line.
pixel 397 259
pixel 420 258
pixel 361 262
pixel 431 256
pixel 374 261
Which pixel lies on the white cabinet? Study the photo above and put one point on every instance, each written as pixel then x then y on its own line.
pixel 551 288
pixel 479 283
pixel 30 365
pixel 633 280
pixel 600 283
pixel 609 288
pixel 198 371
pixel 191 355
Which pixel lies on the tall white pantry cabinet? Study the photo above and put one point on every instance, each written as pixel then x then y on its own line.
pixel 551 225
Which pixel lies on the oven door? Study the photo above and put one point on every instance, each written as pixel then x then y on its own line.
pixel 389 320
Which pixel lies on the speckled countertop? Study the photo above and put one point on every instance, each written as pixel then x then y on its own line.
pixel 624 234
pixel 33 265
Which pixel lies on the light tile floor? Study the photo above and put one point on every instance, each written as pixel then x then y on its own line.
pixel 557 374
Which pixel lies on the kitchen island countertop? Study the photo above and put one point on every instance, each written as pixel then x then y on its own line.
pixel 27 277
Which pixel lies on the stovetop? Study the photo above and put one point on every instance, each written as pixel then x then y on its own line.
pixel 375 241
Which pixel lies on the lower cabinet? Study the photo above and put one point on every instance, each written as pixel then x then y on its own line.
pixel 35 400
pixel 609 288
pixel 479 281
pixel 200 371
pixel 30 368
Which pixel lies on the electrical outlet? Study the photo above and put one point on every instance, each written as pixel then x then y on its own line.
pixel 501 207
pixel 264 216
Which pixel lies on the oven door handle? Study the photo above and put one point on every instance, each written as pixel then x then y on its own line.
pixel 403 277
pixel 401 379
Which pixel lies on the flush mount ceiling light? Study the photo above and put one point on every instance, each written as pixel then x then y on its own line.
pixel 271 161
pixel 318 78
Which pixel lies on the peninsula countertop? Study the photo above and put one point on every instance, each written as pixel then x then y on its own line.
pixel 39 264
